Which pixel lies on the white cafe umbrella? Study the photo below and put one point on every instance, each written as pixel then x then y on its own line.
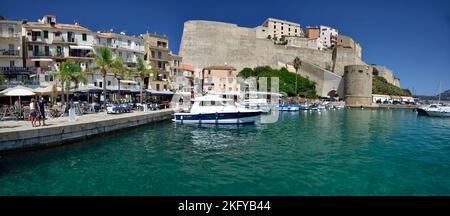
pixel 19 92
pixel 15 87
pixel 46 90
pixel 6 91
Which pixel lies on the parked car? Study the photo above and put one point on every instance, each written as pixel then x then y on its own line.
pixel 118 108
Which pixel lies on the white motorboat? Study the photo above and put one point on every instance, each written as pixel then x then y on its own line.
pixel 257 104
pixel 435 110
pixel 212 109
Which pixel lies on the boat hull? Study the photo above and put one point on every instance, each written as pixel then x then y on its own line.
pixel 217 118
pixel 438 114
pixel 421 112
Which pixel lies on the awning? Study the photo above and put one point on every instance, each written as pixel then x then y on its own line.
pixel 42 59
pixel 81 47
pixel 128 81
pixel 88 88
pixel 46 90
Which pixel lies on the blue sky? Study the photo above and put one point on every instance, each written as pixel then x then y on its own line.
pixel 410 37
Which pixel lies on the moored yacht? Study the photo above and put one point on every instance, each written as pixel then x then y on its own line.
pixel 436 110
pixel 212 109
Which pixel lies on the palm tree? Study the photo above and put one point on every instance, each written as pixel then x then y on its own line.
pixel 62 75
pixel 104 62
pixel 120 71
pixel 69 72
pixel 297 64
pixel 142 70
pixel 77 76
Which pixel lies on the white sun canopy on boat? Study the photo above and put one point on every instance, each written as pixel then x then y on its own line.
pixel 211 98
pixel 81 47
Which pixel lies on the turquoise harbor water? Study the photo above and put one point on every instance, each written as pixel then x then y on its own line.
pixel 345 152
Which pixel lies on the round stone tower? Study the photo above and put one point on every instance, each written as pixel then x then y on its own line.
pixel 358 85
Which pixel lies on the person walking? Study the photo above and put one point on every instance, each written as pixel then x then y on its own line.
pixel 42 111
pixel 33 112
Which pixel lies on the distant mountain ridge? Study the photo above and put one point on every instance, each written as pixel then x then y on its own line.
pixel 445 95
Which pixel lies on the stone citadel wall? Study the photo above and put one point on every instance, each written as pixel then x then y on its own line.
pixel 207 43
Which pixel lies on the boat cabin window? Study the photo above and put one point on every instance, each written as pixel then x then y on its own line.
pixel 213 103
pixel 433 106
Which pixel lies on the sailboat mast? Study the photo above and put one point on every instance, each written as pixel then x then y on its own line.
pixel 440 91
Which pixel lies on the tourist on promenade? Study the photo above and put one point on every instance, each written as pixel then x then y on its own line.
pixel 33 112
pixel 17 107
pixel 42 111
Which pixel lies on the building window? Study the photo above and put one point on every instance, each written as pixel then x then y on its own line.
pixel 84 37
pixel 153 54
pixel 12 63
pixel 159 54
pixel 46 34
pixel 70 37
pixel 109 83
pixel 281 27
pixel 47 51
pixel 209 72
pixel 59 51
pixel 95 83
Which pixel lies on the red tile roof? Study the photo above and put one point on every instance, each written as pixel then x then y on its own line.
pixel 219 67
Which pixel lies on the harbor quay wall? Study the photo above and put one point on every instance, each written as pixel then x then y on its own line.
pixel 42 137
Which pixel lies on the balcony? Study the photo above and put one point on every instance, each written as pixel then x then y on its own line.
pixel 64 40
pixel 9 53
pixel 17 69
pixel 10 35
pixel 35 39
pixel 43 54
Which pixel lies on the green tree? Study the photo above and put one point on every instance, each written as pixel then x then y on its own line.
pixel 54 92
pixel 120 71
pixel 297 64
pixel 2 79
pixel 69 72
pixel 104 63
pixel 246 73
pixel 143 70
pixel 381 86
pixel 304 87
